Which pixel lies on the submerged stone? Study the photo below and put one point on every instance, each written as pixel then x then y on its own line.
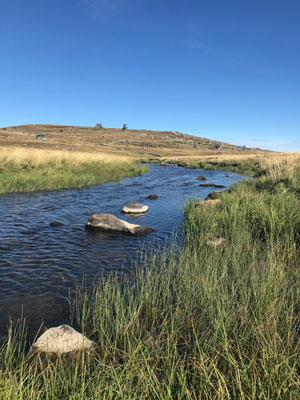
pixel 56 223
pixel 211 184
pixel 152 196
pixel 207 184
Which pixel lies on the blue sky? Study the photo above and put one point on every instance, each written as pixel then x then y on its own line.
pixel 228 70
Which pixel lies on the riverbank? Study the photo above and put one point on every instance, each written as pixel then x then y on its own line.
pixel 252 164
pixel 28 170
pixel 210 322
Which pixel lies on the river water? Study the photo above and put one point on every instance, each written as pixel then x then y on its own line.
pixel 39 264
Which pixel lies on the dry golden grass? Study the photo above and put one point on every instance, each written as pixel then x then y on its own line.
pixel 225 156
pixel 37 157
pixel 139 143
pixel 282 160
pixel 267 160
pixel 285 163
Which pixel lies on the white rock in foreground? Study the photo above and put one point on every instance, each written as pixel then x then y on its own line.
pixel 135 208
pixel 110 223
pixel 62 339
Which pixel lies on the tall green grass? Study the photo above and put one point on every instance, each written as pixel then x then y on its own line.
pixel 29 176
pixel 246 167
pixel 199 323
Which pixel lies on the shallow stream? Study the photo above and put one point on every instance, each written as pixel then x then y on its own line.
pixel 39 264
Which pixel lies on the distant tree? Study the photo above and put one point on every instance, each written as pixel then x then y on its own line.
pixel 99 126
pixel 124 127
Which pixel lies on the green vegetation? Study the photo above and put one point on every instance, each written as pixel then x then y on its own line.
pixel 247 166
pixel 28 176
pixel 204 323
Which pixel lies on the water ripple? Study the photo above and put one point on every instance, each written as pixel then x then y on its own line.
pixel 40 263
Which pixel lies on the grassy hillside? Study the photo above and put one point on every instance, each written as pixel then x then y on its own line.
pixel 142 143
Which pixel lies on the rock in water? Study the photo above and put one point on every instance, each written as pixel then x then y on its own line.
pixel 152 196
pixel 201 178
pixel 110 223
pixel 207 184
pixel 211 184
pixel 62 339
pixel 56 223
pixel 135 208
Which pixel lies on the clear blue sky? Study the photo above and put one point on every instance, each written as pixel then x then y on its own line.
pixel 224 69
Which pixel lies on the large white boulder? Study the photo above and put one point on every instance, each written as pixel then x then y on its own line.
pixel 61 340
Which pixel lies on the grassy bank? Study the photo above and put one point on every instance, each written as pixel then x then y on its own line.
pixel 28 170
pixel 204 323
pixel 251 164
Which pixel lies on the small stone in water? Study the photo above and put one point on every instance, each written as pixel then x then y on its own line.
pixel 135 208
pixel 152 196
pixel 56 223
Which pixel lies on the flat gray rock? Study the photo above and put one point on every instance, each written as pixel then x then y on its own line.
pixel 61 340
pixel 135 208
pixel 110 223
